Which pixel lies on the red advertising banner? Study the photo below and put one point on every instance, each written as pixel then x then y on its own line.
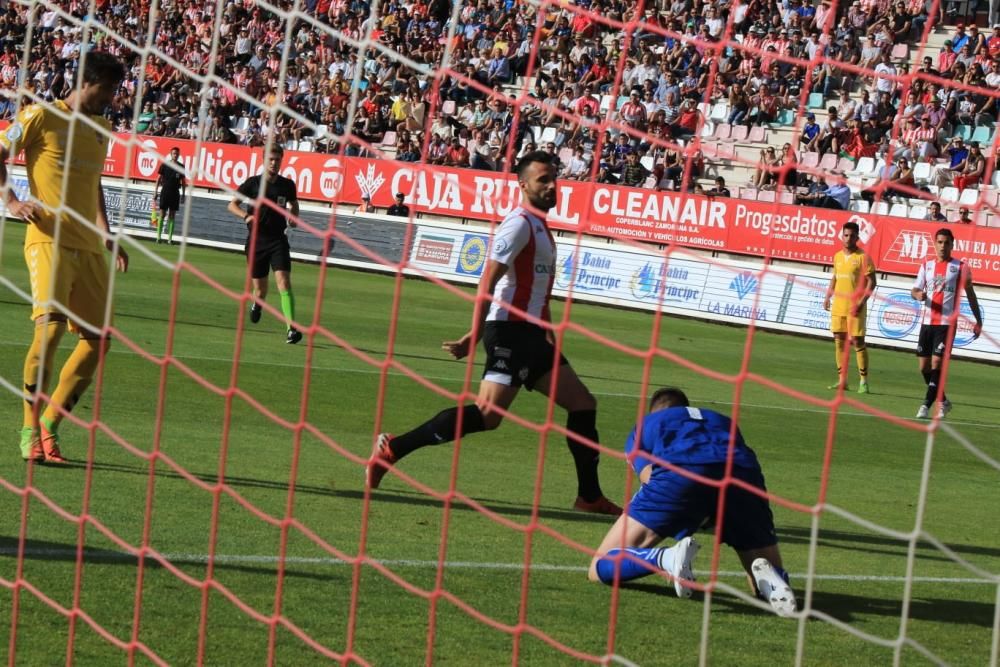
pixel 799 233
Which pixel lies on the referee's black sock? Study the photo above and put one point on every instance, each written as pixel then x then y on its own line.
pixel 584 423
pixel 438 430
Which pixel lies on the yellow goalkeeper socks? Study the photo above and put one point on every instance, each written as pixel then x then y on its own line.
pixel 46 335
pixel 862 356
pixel 170 229
pixel 77 374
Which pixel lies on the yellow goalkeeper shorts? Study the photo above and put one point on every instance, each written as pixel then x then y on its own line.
pixel 67 281
pixel 854 326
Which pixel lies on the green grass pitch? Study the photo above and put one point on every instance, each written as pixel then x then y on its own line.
pixel 875 473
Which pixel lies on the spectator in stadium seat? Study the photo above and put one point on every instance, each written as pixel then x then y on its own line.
pixel 437 150
pixel 830 135
pixel 975 167
pixel 577 167
pixel 457 155
pixel 669 503
pixel 633 113
pixel 688 122
pixel 739 104
pixel 809 138
pixel 835 196
pixel 871 54
pixel 934 213
pixel 927 67
pixel 765 175
pixel 919 142
pixel 634 173
pixel 720 189
pixel 399 209
pixel 958 155
pixel 883 71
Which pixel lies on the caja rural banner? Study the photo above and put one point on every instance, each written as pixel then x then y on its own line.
pixel 727 291
pixel 804 234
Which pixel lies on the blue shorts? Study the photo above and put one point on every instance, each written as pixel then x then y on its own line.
pixel 672 505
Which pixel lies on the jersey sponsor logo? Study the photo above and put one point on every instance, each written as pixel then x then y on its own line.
pixel 369 181
pixel 472 256
pixel 910 247
pixel 744 284
pixel 14 133
pixel 898 315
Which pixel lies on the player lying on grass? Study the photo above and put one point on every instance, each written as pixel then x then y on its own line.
pixel 669 504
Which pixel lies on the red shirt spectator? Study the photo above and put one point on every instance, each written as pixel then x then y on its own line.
pixel 457 155
pixel 586 105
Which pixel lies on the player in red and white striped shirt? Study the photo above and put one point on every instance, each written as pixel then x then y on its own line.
pixel 519 349
pixel 937 286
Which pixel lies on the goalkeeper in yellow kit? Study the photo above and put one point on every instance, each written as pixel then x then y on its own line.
pixel 63 247
pixel 851 285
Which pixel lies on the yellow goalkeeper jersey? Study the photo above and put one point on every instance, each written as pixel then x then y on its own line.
pixel 849 269
pixel 42 132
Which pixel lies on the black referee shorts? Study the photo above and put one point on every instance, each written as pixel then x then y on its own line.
pixel 269 254
pixel 170 201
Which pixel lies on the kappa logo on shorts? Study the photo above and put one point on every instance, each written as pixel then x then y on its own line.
pixel 500 365
pixel 501 352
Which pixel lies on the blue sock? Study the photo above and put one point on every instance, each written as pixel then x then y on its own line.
pixel 629 569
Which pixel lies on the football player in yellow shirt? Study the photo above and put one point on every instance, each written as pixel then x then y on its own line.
pixel 851 285
pixel 65 144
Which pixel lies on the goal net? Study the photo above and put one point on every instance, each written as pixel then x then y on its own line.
pixel 708 154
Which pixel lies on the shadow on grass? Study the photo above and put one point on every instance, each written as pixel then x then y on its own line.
pixel 46 550
pixel 839 539
pixel 847 608
pixel 411 498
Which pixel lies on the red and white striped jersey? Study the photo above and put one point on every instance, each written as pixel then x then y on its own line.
pixel 941 281
pixel 524 244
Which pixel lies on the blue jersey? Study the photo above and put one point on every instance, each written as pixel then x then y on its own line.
pixel 688 436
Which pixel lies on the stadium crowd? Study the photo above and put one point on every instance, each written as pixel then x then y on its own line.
pixel 666 87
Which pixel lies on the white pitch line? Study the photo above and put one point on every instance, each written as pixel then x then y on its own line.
pixel 443 378
pixel 262 559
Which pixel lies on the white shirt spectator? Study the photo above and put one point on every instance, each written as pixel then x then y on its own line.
pixel 577 167
pixel 883 84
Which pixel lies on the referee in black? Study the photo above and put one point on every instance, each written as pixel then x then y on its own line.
pixel 168 194
pixel 269 200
